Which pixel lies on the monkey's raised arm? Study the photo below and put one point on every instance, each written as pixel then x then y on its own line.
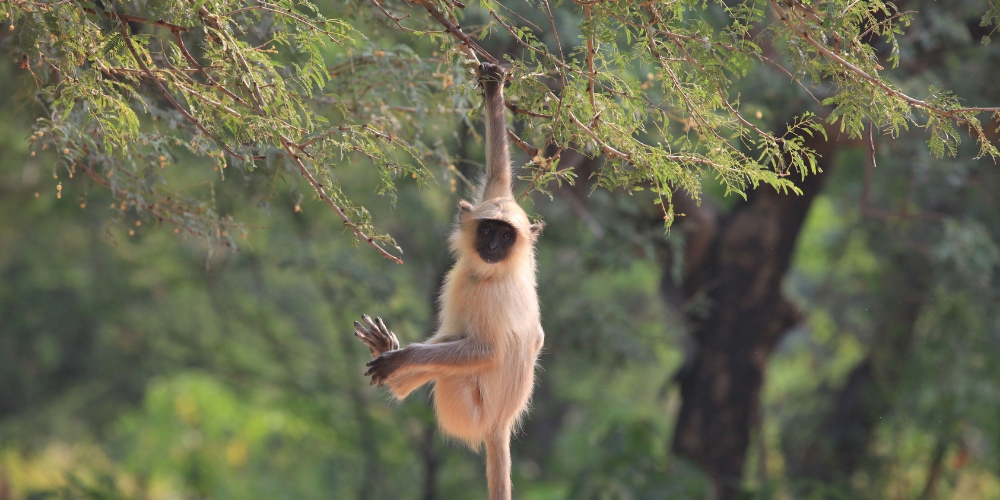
pixel 496 181
pixel 458 356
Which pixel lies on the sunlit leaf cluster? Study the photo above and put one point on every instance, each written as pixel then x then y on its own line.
pixel 285 89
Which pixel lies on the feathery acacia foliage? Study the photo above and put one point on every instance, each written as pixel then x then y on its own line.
pixel 284 89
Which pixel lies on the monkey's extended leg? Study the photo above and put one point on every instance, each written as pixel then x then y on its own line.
pixel 402 384
pixel 498 463
pixel 377 337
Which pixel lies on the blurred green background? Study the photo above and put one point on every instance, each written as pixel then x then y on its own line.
pixel 135 365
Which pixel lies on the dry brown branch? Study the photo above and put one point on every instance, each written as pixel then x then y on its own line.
pixel 514 108
pixel 527 148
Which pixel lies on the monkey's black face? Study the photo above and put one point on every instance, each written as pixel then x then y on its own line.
pixel 494 240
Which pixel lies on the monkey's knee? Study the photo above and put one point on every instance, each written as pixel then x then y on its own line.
pixel 403 384
pixel 459 408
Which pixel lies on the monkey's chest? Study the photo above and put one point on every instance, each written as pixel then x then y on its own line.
pixel 506 328
pixel 502 315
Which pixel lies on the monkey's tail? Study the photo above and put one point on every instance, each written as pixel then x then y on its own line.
pixel 497 181
pixel 498 464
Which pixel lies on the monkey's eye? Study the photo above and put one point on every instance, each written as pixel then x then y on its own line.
pixel 507 236
pixel 484 230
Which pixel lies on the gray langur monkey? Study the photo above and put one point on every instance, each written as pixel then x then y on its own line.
pixel 482 357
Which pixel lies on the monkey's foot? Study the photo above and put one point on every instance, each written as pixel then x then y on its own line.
pixel 380 368
pixel 377 336
pixel 491 76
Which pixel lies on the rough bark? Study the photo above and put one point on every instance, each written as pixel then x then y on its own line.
pixel 733 270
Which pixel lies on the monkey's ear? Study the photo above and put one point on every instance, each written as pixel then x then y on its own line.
pixel 536 229
pixel 464 206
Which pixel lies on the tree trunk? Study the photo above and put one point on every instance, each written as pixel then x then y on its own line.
pixel 734 266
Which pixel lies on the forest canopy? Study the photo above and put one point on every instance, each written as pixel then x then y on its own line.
pixel 282 90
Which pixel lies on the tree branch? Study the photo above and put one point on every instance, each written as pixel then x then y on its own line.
pixel 156 81
pixel 194 63
pixel 786 17
pixel 287 144
pixel 527 148
pixel 456 30
pixel 136 19
pixel 289 13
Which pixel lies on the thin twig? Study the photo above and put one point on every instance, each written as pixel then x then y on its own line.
pixel 519 16
pixel 538 172
pixel 527 148
pixel 591 51
pixel 521 111
pixel 396 19
pixel 255 96
pixel 128 43
pixel 456 30
pixel 136 19
pixel 555 32
pixel 289 14
pixel 786 17
pixel 194 63
pixel 871 141
pixel 607 148
pixel 321 192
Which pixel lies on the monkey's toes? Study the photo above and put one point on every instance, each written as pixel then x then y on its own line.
pixel 375 335
pixel 490 73
pixel 391 341
pixel 368 339
pixel 377 377
pixel 490 69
